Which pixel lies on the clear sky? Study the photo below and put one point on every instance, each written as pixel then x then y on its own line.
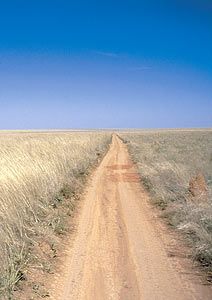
pixel 105 64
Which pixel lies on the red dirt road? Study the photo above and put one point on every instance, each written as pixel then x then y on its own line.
pixel 121 249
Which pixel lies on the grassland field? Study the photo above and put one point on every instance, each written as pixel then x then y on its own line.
pixel 44 171
pixel 39 170
pixel 168 161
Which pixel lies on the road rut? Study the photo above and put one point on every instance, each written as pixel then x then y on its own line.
pixel 121 250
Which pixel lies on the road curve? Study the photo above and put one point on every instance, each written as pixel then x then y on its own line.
pixel 121 251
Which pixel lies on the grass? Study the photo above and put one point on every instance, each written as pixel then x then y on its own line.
pixel 167 161
pixel 40 173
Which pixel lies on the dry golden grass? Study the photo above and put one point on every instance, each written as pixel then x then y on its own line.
pixel 37 170
pixel 167 161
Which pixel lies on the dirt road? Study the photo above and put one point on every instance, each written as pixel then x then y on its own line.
pixel 121 250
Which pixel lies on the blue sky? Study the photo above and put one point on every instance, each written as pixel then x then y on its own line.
pixel 92 64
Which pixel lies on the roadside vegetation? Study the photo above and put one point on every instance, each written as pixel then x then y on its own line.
pixel 176 168
pixel 41 177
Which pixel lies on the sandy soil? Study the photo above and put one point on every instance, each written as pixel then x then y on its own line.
pixel 121 249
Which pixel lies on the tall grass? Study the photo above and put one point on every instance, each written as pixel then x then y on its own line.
pixel 36 170
pixel 167 160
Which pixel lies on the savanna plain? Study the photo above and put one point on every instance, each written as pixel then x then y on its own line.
pixel 39 170
pixel 129 195
pixel 176 168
